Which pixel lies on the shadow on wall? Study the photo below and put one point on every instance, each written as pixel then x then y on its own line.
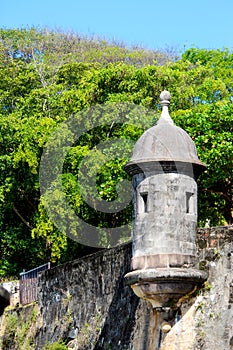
pixel 119 325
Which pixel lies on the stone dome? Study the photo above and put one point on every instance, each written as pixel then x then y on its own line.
pixel 164 142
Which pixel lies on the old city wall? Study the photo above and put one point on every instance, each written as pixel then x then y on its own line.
pixel 86 303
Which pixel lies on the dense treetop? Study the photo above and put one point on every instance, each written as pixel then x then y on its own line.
pixel 47 76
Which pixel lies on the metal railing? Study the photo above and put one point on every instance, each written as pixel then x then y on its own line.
pixel 28 284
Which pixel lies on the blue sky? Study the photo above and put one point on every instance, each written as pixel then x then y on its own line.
pixel 149 23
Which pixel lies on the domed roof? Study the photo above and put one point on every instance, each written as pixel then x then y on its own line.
pixel 164 142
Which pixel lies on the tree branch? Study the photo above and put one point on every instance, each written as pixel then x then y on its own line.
pixel 26 197
pixel 224 195
pixel 22 219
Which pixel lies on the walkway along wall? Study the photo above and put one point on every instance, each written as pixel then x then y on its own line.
pixel 86 303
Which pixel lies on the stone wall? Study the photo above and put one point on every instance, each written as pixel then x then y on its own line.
pixel 87 298
pixel 206 320
pixel 86 303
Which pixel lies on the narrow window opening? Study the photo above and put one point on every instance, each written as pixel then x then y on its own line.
pixel 145 201
pixel 189 202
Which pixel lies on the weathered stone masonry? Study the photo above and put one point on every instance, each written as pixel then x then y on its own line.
pixel 164 168
pixel 87 299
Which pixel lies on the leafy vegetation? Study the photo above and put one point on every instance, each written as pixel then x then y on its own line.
pixel 19 330
pixel 55 346
pixel 47 76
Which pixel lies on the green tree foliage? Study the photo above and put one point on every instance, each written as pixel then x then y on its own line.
pixel 47 76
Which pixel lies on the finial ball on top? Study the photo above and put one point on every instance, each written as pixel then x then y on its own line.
pixel 165 96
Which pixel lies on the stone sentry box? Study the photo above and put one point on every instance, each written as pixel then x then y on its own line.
pixel 164 169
